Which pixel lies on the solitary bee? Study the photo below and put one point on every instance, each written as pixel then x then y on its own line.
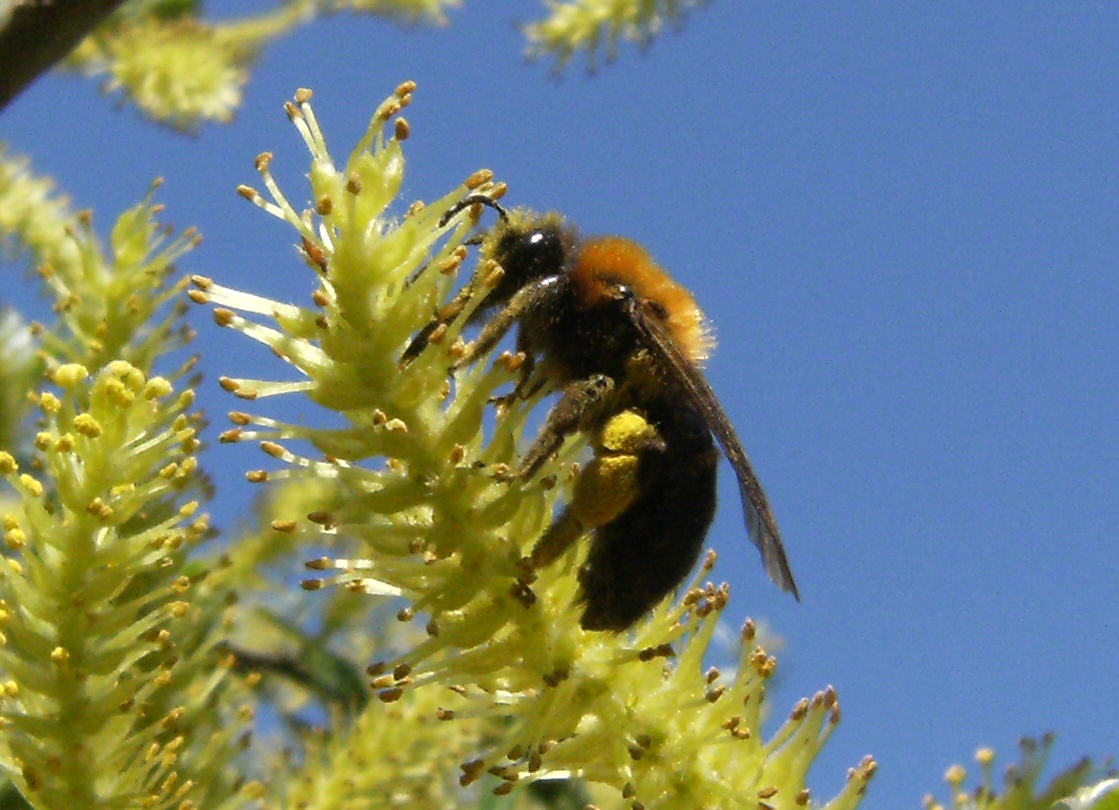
pixel 598 320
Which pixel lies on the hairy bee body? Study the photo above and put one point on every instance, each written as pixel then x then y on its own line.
pixel 647 550
pixel 601 323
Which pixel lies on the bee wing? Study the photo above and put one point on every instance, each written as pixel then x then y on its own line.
pixel 761 525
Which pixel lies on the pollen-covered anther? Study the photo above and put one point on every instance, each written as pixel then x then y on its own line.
pixel 492 273
pixel 800 710
pixel 437 334
pixel 229 385
pixel 249 193
pixel 314 255
pixel 511 361
pixel 87 426
pixel 98 508
pixel 749 631
pixel 535 762
pixel 353 184
pixel 471 771
pixel 321 517
pixel 256 476
pixel 868 767
pixel 382 681
pixel 757 659
pixel 450 265
pixel 231 436
pixel 401 129
pixel 481 176
pixel 312 584
pixel 284 526
pixel 405 614
pixel 803 797
pixel 198 297
pixel 263 161
pixel 391 695
pixel 276 451
pixel 432 628
pixel 396 425
pixel 714 694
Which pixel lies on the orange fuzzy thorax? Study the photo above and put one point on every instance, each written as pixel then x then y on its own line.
pixel 607 260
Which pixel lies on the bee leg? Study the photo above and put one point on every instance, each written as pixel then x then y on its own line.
pixel 607 487
pixel 495 329
pixel 527 385
pixel 443 317
pixel 579 407
pixel 564 531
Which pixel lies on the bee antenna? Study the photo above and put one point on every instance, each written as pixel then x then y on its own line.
pixel 469 200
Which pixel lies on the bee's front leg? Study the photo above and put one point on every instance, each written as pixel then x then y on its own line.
pixel 579 408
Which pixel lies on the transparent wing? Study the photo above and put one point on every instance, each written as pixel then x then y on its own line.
pixel 761 525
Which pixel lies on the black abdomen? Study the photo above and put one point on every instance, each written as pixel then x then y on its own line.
pixel 636 559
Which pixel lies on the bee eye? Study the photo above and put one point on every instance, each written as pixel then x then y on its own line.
pixel 534 254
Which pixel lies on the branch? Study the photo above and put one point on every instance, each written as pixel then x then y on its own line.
pixel 40 33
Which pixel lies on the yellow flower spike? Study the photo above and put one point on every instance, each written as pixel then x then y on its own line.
pixel 595 27
pixel 206 68
pixel 105 522
pixel 431 502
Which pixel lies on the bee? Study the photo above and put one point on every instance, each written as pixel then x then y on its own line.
pixel 600 322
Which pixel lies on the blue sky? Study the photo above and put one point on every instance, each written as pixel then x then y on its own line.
pixel 905 228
